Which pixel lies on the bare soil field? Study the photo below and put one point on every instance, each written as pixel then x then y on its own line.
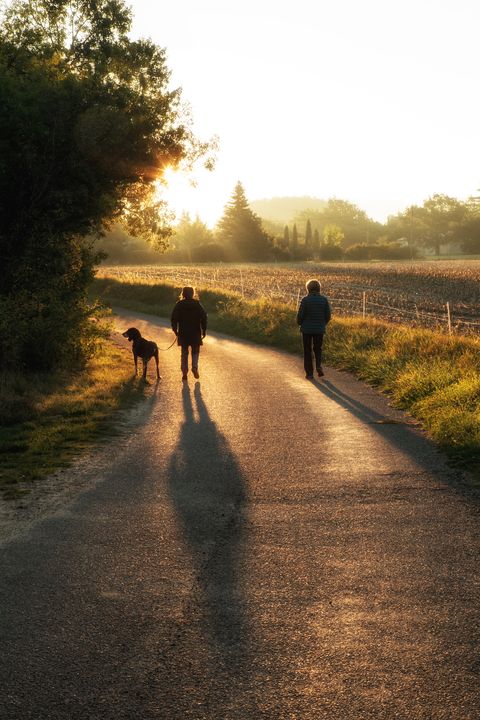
pixel 415 293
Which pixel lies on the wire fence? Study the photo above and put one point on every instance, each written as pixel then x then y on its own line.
pixel 346 299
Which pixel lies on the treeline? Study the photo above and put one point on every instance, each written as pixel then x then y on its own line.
pixel 333 230
pixel 343 230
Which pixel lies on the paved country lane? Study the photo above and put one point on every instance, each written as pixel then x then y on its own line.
pixel 260 546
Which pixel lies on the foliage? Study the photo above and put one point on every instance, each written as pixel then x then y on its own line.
pixel 308 234
pixel 440 220
pixel 294 242
pixel 354 223
pixel 332 235
pixel 240 230
pixel 380 251
pixel 209 252
pixel 359 252
pixel 189 235
pixel 118 246
pixel 330 248
pixel 87 124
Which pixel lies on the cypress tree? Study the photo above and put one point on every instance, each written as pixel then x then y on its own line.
pixel 295 237
pixel 286 236
pixel 308 234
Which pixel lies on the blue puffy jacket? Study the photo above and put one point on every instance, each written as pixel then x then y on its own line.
pixel 314 313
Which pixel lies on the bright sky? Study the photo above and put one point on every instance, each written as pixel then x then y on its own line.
pixel 375 102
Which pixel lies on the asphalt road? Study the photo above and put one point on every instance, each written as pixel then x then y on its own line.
pixel 258 546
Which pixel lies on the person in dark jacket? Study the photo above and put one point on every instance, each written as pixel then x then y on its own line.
pixel 313 316
pixel 189 323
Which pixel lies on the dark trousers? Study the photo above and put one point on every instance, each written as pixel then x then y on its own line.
pixel 312 341
pixel 184 360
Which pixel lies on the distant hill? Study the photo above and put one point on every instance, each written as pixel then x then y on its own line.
pixel 284 209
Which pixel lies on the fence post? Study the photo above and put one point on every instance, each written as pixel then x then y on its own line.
pixel 364 305
pixel 449 319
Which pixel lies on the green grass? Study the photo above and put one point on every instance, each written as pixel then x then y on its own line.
pixel 435 377
pixel 48 420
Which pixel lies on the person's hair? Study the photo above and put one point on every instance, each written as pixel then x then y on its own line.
pixel 187 293
pixel 313 286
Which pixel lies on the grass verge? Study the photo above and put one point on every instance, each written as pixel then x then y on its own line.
pixel 47 420
pixel 435 377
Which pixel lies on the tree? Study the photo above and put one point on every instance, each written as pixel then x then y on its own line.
pixel 439 220
pixel 286 237
pixel 308 234
pixel 442 216
pixel 331 243
pixel 316 241
pixel 469 233
pixel 332 235
pixel 240 230
pixel 294 238
pixel 190 234
pixel 354 222
pixel 87 125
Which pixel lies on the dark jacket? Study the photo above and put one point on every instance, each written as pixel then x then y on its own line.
pixel 189 322
pixel 313 314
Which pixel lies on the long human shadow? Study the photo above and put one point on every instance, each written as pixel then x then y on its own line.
pixel 208 492
pixel 396 432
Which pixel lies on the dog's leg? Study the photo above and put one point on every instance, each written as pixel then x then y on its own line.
pixel 155 355
pixel 145 363
pixel 136 363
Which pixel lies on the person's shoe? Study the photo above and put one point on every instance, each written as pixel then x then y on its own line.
pixel 195 373
pixel 184 377
pixel 309 377
pixel 320 372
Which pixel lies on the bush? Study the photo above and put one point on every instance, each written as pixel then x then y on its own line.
pixel 209 252
pixel 331 252
pixel 358 252
pixel 392 251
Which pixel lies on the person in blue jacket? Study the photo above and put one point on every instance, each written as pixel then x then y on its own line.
pixel 313 316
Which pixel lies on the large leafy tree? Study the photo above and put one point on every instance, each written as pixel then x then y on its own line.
pixel 87 125
pixel 441 219
pixel 240 230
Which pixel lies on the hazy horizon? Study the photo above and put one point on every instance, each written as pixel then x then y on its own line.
pixel 371 103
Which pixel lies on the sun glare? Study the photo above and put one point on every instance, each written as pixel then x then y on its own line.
pixel 178 190
pixel 192 193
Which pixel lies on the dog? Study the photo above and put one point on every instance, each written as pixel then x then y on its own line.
pixel 143 349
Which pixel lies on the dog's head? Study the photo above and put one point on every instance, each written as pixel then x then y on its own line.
pixel 132 334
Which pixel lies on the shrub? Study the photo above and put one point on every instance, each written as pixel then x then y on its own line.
pixel 209 252
pixel 331 252
pixel 392 251
pixel 358 252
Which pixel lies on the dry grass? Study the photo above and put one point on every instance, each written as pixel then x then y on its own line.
pixel 47 420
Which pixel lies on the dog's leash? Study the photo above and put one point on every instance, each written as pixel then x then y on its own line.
pixel 170 346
